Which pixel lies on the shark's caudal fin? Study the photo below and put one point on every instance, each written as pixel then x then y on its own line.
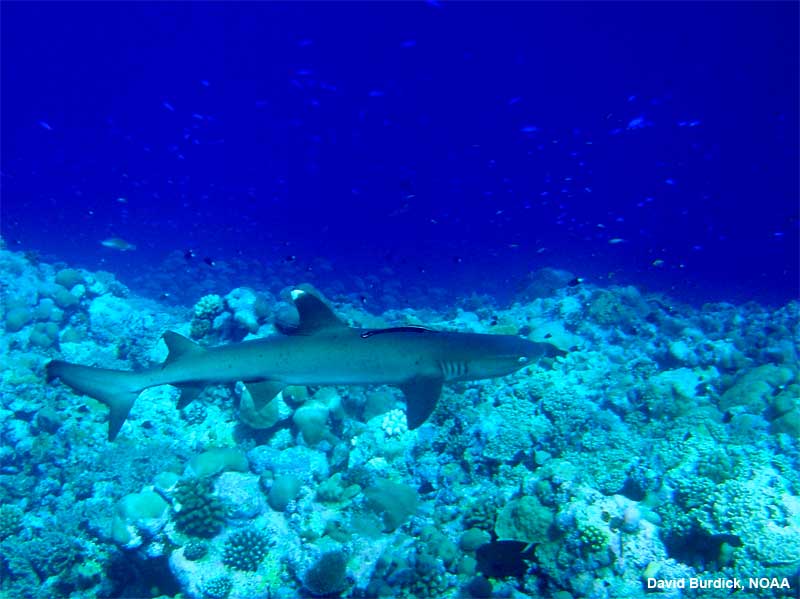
pixel 115 388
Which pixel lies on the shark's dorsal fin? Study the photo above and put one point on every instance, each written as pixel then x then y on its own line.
pixel 179 346
pixel 315 315
pixel 421 393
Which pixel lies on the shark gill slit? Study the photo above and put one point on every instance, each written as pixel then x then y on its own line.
pixel 451 370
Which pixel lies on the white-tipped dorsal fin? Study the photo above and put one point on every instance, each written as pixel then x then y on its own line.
pixel 315 315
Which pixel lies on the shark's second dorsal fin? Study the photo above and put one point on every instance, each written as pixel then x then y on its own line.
pixel 315 315
pixel 179 346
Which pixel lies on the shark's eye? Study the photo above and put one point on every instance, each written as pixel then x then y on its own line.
pixel 522 360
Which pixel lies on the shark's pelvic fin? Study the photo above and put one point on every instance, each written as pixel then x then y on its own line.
pixel 315 315
pixel 189 393
pixel 421 393
pixel 263 392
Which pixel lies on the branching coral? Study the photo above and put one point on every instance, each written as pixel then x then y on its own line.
pixel 198 511
pixel 245 549
pixel 10 520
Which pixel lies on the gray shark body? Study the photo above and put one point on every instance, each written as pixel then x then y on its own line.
pixel 321 350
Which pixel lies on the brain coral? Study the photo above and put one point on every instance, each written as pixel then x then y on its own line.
pixel 328 575
pixel 524 519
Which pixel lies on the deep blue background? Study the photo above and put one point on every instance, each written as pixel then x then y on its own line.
pixel 462 145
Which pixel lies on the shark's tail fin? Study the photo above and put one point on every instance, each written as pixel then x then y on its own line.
pixel 115 388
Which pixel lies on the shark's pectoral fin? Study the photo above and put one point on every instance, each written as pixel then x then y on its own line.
pixel 263 392
pixel 421 393
pixel 189 393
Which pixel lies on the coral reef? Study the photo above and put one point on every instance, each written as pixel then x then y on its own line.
pixel 245 549
pixel 662 444
pixel 10 520
pixel 198 512
pixel 327 576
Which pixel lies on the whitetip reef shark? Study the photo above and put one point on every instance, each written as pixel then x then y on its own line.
pixel 321 350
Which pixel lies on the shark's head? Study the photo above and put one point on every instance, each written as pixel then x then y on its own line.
pixel 499 355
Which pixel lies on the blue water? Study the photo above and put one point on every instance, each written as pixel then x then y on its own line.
pixel 463 145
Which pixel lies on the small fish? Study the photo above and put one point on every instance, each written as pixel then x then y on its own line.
pixel 616 240
pixel 45 125
pixel 168 106
pixel 117 243
pixel 189 254
pixel 291 258
pixel 209 261
pixel 637 123
pixel 122 200
pixel 575 282
pixel 658 263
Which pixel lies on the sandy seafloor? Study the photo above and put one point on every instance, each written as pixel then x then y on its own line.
pixel 663 446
